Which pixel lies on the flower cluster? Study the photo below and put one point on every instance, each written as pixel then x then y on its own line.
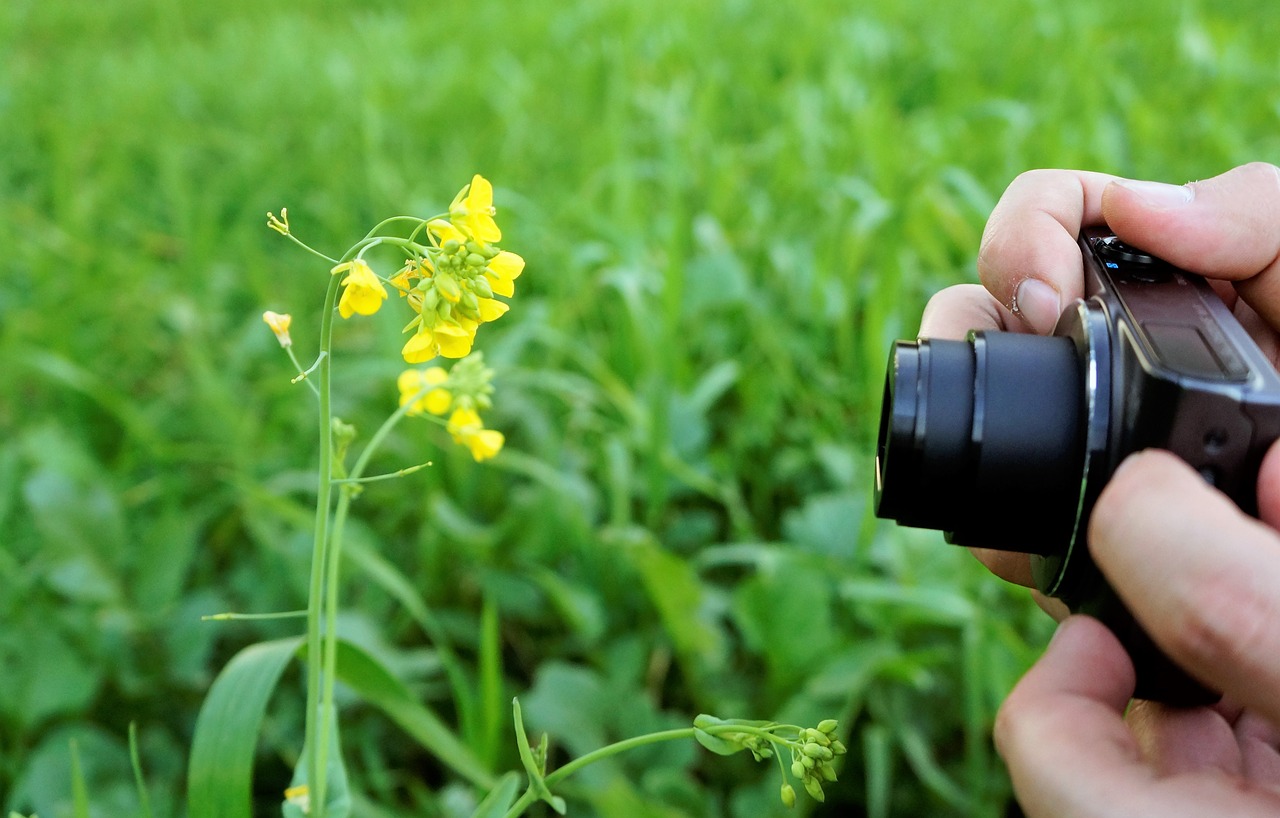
pixel 452 285
pixel 449 282
pixel 461 393
pixel 812 757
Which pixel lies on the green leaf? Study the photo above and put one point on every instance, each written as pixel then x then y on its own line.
pixel 377 686
pixel 534 767
pixel 716 744
pixel 220 772
pixel 500 798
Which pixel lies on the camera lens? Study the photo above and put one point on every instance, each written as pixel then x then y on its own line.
pixel 983 439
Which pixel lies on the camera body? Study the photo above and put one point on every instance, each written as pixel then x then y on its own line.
pixel 1005 440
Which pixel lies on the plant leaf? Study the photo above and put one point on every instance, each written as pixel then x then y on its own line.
pixel 500 798
pixel 220 772
pixel 537 782
pixel 377 686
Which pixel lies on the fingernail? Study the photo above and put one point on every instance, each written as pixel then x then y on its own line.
pixel 1038 304
pixel 1159 195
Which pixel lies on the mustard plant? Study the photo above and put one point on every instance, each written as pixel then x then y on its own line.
pixel 450 276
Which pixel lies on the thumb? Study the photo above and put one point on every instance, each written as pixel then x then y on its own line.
pixel 1225 227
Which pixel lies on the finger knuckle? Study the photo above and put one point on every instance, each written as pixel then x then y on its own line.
pixel 1223 620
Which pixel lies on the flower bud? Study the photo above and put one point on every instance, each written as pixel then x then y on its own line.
pixel 788 796
pixel 816 751
pixel 798 769
pixel 827 726
pixel 279 324
pixel 448 287
pixel 814 787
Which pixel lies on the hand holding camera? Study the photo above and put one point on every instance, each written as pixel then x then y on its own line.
pixel 1199 575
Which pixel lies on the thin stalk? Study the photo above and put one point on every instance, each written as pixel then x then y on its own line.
pixel 317 732
pixel 332 557
pixel 529 797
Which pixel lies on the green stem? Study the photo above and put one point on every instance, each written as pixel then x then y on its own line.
pixel 302 372
pixel 332 558
pixel 232 616
pixel 377 228
pixel 525 801
pixel 391 475
pixel 313 251
pixel 529 797
pixel 317 733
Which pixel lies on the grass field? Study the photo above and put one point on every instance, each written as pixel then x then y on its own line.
pixel 728 210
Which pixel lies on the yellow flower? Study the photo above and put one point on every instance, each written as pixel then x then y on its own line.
pixel 472 210
pixel 444 231
pixel 502 271
pixel 364 293
pixel 279 324
pixel 467 430
pixel 484 444
pixel 447 340
pixel 412 381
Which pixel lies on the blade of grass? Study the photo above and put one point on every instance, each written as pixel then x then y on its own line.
pixel 220 772
pixel 377 686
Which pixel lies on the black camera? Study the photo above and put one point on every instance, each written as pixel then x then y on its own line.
pixel 1005 440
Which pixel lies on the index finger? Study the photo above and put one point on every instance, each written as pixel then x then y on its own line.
pixel 1029 259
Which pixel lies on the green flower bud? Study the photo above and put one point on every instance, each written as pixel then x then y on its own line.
pixel 817 751
pixel 788 796
pixel 476 260
pixel 430 300
pixel 808 762
pixel 451 246
pixel 448 287
pixel 814 787
pixel 838 747
pixel 798 769
pixel 482 287
pixel 827 771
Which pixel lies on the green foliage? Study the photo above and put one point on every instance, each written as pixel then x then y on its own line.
pixel 729 209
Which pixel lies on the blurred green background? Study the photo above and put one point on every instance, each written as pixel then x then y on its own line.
pixel 729 208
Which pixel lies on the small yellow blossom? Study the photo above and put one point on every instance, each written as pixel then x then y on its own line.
pixel 279 324
pixel 472 210
pixel 364 293
pixel 467 430
pixel 446 340
pixel 413 381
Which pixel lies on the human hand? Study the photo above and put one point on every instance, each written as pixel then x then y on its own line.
pixel 1204 581
pixel 1226 228
pixel 1202 578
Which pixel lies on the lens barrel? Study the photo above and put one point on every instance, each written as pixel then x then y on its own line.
pixel 984 439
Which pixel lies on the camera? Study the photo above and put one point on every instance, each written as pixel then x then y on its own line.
pixel 1005 440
